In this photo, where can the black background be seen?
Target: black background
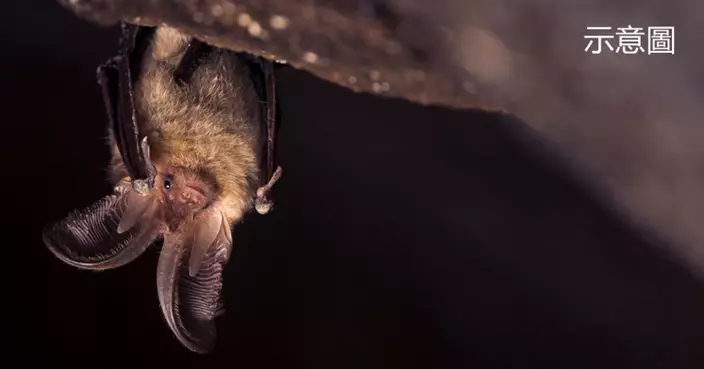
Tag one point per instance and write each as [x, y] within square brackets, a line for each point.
[403, 237]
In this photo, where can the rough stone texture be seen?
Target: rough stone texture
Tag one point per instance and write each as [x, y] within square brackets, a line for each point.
[633, 122]
[355, 44]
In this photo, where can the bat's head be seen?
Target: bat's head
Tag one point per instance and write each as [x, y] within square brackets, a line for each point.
[183, 194]
[182, 209]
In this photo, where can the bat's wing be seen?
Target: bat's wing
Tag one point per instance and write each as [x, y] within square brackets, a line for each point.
[265, 84]
[191, 299]
[116, 77]
[90, 238]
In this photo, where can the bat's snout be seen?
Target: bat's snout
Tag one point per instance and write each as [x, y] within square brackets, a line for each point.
[192, 196]
[186, 200]
[182, 204]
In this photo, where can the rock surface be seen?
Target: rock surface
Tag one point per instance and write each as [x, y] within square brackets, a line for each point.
[634, 122]
[365, 46]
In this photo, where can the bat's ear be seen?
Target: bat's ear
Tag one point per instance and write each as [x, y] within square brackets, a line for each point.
[190, 292]
[110, 233]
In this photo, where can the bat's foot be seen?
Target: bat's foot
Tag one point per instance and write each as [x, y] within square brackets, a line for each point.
[262, 203]
[140, 186]
[144, 186]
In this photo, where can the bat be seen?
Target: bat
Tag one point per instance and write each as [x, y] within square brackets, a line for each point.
[191, 128]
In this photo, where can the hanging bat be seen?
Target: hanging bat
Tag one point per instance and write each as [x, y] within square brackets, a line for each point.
[191, 131]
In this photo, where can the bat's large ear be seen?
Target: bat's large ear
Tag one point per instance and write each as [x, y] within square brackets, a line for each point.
[110, 233]
[189, 278]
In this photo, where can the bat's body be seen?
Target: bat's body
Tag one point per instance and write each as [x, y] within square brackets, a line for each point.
[205, 131]
[202, 130]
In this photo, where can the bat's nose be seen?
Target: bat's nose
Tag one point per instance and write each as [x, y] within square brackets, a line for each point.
[191, 197]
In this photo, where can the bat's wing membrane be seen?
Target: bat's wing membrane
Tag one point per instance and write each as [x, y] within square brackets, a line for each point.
[88, 238]
[191, 301]
[116, 78]
[262, 75]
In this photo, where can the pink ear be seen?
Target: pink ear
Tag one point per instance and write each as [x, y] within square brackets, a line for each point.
[191, 301]
[89, 239]
[136, 206]
[208, 225]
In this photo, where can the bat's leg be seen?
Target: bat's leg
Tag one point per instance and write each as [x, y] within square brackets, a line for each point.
[263, 203]
[143, 186]
[263, 190]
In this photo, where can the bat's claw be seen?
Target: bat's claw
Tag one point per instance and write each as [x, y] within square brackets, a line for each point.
[262, 203]
[140, 186]
[144, 186]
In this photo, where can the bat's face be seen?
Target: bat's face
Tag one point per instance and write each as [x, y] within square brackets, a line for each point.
[182, 195]
[182, 209]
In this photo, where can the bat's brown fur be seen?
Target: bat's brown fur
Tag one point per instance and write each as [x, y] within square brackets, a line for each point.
[209, 126]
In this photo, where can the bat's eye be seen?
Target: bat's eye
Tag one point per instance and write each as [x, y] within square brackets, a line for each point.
[167, 184]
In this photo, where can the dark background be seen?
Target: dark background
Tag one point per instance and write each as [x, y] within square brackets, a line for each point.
[403, 237]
